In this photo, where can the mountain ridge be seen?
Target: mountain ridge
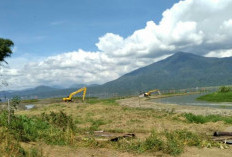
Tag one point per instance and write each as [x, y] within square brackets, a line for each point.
[195, 69]
[179, 71]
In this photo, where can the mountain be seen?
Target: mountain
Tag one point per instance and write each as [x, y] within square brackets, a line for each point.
[179, 71]
[82, 85]
[77, 85]
[39, 91]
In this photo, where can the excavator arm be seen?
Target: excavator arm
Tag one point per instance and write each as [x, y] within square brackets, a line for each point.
[151, 91]
[69, 98]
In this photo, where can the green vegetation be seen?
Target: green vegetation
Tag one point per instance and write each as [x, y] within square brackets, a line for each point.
[9, 146]
[54, 128]
[44, 127]
[224, 94]
[169, 142]
[110, 101]
[5, 48]
[191, 118]
[198, 71]
[30, 101]
[225, 89]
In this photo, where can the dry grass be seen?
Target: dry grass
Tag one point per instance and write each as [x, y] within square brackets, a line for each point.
[117, 118]
[131, 116]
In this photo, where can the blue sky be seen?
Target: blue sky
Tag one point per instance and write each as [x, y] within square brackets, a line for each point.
[60, 43]
[48, 27]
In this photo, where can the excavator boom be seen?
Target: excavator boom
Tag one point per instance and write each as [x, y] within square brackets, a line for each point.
[147, 94]
[69, 98]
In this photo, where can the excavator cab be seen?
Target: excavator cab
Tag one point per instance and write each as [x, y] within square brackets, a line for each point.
[66, 99]
[147, 94]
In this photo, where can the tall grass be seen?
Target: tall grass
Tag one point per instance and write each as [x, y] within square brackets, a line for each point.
[54, 128]
[10, 146]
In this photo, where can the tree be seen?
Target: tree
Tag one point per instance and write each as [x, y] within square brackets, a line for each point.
[5, 49]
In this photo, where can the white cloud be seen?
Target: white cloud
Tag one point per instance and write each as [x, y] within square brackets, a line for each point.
[220, 53]
[73, 67]
[203, 27]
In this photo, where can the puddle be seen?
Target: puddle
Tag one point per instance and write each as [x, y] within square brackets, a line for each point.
[30, 106]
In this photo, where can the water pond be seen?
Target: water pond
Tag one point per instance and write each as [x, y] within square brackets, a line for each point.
[192, 101]
[30, 106]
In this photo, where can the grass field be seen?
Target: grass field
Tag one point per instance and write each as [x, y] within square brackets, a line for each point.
[73, 126]
[217, 97]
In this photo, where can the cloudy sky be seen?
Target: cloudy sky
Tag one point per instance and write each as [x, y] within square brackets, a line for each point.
[95, 41]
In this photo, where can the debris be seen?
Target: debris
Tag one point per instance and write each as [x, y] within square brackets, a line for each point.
[114, 137]
[222, 139]
[222, 134]
[227, 139]
[120, 137]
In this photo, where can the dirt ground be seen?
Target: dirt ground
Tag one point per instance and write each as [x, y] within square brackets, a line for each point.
[55, 151]
[64, 151]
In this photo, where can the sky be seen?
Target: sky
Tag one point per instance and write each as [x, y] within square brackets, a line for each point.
[62, 43]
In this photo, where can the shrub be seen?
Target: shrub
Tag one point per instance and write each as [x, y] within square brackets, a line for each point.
[169, 142]
[9, 146]
[53, 128]
[224, 89]
[22, 127]
[174, 145]
[153, 142]
[61, 120]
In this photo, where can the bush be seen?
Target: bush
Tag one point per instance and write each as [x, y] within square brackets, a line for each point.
[153, 142]
[23, 128]
[9, 146]
[61, 130]
[174, 144]
[169, 142]
[224, 89]
[61, 120]
[53, 128]
[177, 140]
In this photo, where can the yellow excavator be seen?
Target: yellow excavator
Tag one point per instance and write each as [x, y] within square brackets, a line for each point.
[69, 98]
[147, 94]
